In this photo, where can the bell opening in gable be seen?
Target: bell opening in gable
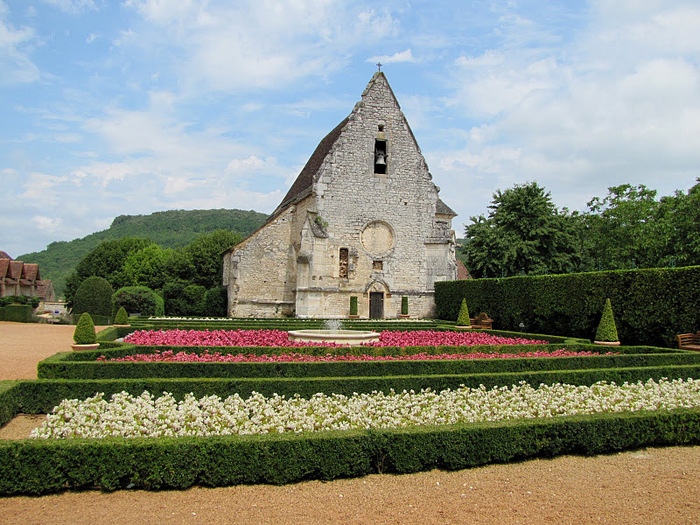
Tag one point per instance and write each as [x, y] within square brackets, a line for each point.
[380, 157]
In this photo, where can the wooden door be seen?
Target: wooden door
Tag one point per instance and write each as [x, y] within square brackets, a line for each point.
[376, 305]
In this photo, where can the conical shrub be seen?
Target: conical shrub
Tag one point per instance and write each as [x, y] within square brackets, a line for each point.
[85, 331]
[463, 317]
[121, 317]
[607, 331]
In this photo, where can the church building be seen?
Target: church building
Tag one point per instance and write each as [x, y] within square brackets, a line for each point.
[362, 220]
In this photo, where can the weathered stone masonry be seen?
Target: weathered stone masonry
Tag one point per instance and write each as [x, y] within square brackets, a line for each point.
[362, 219]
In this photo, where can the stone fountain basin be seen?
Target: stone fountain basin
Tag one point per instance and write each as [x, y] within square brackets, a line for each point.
[343, 337]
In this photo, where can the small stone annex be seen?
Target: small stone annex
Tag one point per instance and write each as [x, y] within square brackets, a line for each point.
[363, 219]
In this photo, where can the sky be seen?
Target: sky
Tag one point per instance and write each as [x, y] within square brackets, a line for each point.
[113, 107]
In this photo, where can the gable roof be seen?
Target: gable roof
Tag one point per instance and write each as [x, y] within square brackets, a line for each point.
[304, 183]
[30, 271]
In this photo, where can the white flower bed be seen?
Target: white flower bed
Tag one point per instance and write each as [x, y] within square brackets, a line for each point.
[147, 416]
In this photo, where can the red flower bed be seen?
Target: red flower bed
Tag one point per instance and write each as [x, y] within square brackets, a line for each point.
[184, 357]
[278, 338]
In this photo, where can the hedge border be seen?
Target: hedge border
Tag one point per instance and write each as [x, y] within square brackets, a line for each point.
[44, 466]
[42, 395]
[69, 365]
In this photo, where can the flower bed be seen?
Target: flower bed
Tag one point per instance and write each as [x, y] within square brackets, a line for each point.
[148, 416]
[279, 338]
[168, 356]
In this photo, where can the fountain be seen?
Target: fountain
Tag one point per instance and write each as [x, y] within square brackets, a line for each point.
[332, 332]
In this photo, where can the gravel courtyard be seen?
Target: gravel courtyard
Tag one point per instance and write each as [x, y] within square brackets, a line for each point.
[655, 485]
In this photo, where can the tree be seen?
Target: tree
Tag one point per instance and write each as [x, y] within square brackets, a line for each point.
[678, 224]
[145, 267]
[205, 256]
[620, 229]
[106, 260]
[94, 296]
[524, 234]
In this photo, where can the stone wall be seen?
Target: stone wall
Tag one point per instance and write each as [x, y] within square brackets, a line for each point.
[386, 222]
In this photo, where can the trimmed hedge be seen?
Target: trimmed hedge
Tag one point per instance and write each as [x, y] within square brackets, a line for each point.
[17, 313]
[70, 365]
[43, 466]
[148, 323]
[42, 395]
[139, 299]
[94, 296]
[651, 305]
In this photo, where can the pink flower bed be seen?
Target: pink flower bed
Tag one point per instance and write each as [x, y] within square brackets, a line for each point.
[278, 338]
[184, 357]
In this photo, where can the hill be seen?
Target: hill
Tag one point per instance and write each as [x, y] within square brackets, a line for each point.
[169, 229]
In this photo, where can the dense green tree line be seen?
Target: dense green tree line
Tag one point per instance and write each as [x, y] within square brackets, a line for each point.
[192, 270]
[526, 234]
[168, 229]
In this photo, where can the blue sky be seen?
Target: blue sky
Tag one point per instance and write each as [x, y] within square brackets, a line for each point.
[135, 106]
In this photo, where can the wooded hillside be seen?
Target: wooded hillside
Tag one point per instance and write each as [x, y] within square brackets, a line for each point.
[169, 229]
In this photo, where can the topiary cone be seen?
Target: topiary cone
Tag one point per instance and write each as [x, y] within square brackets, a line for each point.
[85, 331]
[122, 317]
[607, 331]
[463, 318]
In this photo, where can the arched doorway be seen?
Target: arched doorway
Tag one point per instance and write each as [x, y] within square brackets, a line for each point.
[376, 305]
[377, 290]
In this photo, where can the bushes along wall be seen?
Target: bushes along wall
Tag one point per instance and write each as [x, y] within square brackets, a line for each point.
[651, 306]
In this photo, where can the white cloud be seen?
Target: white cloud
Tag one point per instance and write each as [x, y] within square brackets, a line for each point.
[617, 105]
[402, 56]
[16, 67]
[47, 224]
[253, 44]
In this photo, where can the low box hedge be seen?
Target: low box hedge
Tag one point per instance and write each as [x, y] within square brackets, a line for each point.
[17, 313]
[42, 395]
[71, 365]
[43, 466]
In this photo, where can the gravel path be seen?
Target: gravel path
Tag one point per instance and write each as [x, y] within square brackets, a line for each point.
[656, 485]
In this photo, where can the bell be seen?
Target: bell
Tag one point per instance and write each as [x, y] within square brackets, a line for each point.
[380, 159]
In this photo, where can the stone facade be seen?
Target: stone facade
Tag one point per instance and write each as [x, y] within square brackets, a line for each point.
[362, 219]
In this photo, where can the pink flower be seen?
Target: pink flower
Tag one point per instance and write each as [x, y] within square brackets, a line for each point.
[206, 357]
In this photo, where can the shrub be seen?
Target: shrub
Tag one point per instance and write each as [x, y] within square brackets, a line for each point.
[463, 317]
[20, 299]
[651, 305]
[194, 296]
[174, 299]
[94, 296]
[404, 305]
[18, 313]
[216, 302]
[85, 331]
[607, 331]
[139, 299]
[121, 317]
[353, 305]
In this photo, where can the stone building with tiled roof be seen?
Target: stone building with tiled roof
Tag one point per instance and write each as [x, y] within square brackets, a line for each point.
[363, 219]
[23, 279]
